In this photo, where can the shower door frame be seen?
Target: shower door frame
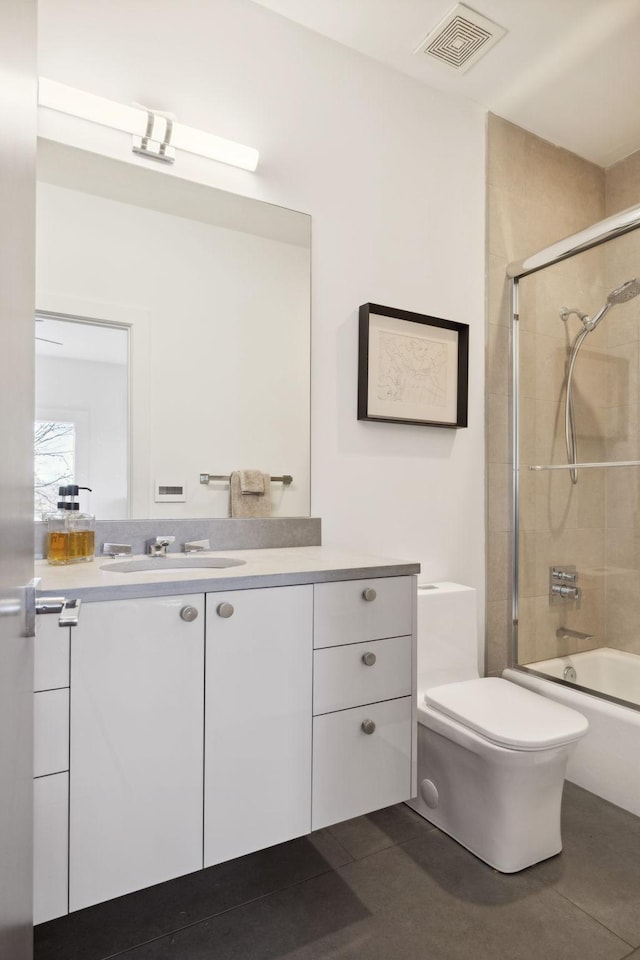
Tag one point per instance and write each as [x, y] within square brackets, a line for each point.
[594, 236]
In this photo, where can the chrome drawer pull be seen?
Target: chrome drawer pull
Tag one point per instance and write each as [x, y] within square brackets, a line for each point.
[225, 610]
[369, 593]
[368, 726]
[189, 613]
[368, 659]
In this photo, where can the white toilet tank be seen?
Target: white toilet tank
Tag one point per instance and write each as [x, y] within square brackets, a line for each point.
[447, 634]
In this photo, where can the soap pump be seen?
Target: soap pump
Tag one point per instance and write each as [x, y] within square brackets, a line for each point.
[57, 531]
[81, 527]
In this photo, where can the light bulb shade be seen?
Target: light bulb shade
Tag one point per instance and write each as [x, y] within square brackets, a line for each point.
[133, 120]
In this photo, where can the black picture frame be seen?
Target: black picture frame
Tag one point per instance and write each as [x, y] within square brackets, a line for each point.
[412, 368]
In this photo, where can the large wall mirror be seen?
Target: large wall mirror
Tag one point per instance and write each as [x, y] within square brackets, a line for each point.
[172, 339]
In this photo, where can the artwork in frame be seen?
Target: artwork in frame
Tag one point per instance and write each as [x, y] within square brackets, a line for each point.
[412, 368]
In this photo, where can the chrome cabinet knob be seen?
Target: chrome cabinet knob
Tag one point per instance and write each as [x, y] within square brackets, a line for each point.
[367, 726]
[368, 659]
[369, 594]
[189, 613]
[225, 610]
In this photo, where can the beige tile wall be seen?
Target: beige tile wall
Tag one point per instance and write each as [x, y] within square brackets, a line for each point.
[538, 193]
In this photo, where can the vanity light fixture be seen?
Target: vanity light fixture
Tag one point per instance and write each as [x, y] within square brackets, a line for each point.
[155, 133]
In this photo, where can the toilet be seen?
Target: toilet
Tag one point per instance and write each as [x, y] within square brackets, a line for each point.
[491, 755]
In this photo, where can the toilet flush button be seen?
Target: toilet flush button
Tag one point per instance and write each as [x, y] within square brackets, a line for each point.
[429, 793]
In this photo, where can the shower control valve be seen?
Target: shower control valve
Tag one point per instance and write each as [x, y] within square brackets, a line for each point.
[562, 584]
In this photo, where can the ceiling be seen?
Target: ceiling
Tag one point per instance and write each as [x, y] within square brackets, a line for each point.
[567, 70]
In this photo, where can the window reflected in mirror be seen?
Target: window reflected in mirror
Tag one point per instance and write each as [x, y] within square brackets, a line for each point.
[81, 428]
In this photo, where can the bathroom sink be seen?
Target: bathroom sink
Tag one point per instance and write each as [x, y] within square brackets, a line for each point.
[170, 562]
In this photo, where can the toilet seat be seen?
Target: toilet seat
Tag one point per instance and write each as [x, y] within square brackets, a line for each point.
[507, 714]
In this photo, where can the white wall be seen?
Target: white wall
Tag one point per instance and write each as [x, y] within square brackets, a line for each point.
[393, 176]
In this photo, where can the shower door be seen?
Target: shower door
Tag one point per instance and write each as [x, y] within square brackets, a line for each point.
[576, 566]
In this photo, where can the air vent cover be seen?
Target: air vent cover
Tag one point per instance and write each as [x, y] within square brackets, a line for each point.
[461, 38]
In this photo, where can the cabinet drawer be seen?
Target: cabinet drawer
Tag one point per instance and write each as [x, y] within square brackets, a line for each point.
[51, 732]
[355, 772]
[51, 654]
[342, 677]
[342, 614]
[50, 847]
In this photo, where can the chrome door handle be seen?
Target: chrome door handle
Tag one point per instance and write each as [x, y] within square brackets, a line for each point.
[28, 602]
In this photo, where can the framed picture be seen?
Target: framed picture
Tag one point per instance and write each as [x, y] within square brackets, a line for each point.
[412, 368]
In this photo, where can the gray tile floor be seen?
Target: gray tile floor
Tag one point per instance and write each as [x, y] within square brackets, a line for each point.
[387, 886]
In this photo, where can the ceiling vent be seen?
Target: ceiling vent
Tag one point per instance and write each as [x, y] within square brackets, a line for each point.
[461, 38]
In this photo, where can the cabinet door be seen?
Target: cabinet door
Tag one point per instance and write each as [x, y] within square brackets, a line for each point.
[51, 654]
[50, 853]
[258, 720]
[361, 760]
[51, 732]
[136, 746]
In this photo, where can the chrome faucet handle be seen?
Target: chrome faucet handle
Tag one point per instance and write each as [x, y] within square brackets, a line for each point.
[117, 549]
[196, 546]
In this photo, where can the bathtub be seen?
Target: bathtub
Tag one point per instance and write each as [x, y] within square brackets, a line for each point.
[605, 761]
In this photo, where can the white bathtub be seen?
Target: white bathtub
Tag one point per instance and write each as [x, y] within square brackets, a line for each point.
[605, 761]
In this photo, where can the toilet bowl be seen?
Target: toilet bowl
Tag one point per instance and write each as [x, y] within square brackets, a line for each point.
[491, 763]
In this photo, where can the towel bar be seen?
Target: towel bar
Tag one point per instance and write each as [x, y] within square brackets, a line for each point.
[286, 479]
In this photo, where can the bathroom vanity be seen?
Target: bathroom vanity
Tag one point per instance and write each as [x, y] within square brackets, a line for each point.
[197, 715]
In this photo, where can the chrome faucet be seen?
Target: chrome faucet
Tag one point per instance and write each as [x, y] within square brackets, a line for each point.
[158, 546]
[564, 633]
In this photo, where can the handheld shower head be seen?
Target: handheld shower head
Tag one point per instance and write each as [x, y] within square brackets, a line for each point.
[626, 291]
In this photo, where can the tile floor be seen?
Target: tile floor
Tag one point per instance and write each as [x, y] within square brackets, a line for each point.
[387, 886]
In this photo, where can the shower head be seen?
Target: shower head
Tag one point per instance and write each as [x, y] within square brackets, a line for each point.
[626, 291]
[623, 293]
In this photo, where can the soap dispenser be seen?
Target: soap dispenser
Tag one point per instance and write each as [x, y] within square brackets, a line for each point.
[81, 527]
[57, 531]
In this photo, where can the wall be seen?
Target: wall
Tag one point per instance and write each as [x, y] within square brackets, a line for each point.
[393, 176]
[537, 193]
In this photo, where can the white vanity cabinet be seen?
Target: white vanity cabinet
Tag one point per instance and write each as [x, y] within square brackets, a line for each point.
[258, 719]
[192, 729]
[363, 703]
[51, 769]
[137, 717]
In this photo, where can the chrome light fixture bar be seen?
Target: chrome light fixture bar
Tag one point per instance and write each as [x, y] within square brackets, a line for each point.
[141, 123]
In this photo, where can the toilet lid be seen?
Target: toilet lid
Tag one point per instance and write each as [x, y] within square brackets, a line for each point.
[507, 714]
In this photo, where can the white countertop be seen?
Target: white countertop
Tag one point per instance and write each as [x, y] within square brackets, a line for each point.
[262, 568]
